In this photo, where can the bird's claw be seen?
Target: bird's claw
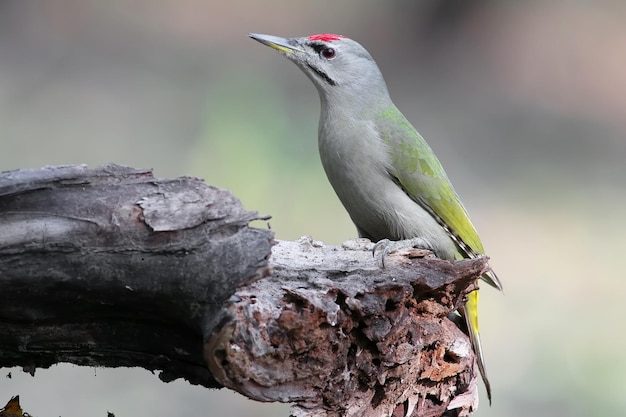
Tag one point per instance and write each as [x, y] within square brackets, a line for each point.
[389, 247]
[382, 242]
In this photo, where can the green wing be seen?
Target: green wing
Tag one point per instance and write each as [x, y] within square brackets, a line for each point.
[422, 177]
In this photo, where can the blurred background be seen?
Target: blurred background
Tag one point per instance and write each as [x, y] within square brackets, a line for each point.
[523, 102]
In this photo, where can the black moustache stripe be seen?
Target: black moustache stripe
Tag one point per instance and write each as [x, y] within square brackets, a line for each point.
[322, 75]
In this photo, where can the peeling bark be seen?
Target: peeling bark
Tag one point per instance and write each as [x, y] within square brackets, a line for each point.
[113, 267]
[332, 332]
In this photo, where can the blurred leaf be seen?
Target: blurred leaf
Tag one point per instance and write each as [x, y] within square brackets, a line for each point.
[12, 409]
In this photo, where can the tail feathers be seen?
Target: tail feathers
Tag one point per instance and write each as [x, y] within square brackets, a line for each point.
[470, 311]
[492, 279]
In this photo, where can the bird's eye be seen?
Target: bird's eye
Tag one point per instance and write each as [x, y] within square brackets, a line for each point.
[328, 53]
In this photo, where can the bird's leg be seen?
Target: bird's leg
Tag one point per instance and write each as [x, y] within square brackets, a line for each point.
[389, 246]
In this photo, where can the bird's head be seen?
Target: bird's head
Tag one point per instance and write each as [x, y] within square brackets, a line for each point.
[333, 62]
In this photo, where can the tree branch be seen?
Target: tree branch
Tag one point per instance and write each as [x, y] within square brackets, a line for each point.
[113, 267]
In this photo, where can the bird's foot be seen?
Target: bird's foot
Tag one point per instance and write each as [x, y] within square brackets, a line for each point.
[389, 246]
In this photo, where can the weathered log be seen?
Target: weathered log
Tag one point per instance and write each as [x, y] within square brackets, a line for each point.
[334, 333]
[113, 267]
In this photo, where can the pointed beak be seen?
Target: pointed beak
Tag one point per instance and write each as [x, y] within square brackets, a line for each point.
[287, 46]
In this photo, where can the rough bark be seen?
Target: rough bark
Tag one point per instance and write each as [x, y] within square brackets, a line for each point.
[113, 267]
[332, 331]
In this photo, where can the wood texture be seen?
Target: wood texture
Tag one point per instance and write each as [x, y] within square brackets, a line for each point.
[339, 336]
[113, 267]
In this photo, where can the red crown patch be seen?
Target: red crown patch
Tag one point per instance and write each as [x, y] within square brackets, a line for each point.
[325, 37]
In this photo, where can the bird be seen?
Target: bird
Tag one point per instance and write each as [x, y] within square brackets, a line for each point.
[385, 174]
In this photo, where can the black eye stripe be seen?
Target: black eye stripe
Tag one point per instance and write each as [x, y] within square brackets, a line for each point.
[318, 47]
